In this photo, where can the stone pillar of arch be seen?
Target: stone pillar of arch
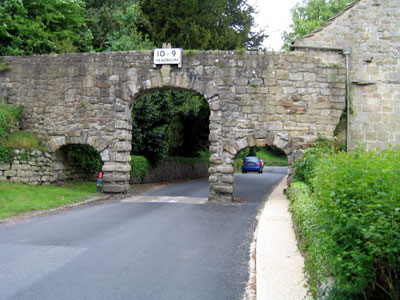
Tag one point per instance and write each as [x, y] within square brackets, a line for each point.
[116, 156]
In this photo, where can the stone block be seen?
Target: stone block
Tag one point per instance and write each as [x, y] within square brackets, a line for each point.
[282, 74]
[5, 166]
[114, 188]
[223, 189]
[123, 146]
[115, 177]
[10, 173]
[225, 169]
[296, 77]
[211, 179]
[228, 179]
[251, 141]
[215, 160]
[230, 149]
[261, 142]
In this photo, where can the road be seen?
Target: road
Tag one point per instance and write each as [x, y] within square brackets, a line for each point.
[136, 250]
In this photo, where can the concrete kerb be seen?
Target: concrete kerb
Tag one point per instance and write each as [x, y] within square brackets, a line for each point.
[279, 263]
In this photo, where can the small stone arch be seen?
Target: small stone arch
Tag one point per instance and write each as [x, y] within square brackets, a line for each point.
[232, 148]
[62, 170]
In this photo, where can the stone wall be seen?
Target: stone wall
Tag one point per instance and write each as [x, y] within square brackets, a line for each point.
[255, 99]
[31, 167]
[371, 30]
[174, 170]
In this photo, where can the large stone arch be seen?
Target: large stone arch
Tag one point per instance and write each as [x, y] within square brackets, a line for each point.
[253, 97]
[190, 79]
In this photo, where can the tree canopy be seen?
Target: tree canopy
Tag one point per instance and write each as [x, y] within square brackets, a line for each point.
[113, 24]
[310, 15]
[42, 26]
[201, 24]
[57, 26]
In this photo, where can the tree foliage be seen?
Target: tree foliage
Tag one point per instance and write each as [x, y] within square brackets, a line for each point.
[114, 25]
[169, 123]
[201, 24]
[42, 26]
[310, 15]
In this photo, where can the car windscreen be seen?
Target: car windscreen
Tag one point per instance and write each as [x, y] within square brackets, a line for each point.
[252, 159]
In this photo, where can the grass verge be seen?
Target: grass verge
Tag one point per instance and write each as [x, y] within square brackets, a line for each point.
[18, 198]
[271, 159]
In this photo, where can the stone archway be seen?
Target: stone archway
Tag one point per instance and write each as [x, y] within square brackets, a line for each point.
[253, 97]
[190, 79]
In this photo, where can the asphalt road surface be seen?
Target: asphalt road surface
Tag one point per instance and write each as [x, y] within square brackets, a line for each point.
[137, 250]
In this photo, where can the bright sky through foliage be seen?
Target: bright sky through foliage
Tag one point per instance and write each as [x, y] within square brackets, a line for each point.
[274, 16]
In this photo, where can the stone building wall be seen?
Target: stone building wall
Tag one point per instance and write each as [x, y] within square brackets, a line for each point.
[173, 170]
[255, 98]
[371, 30]
[29, 166]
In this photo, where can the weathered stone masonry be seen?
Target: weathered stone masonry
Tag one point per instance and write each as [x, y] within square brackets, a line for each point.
[255, 98]
[371, 30]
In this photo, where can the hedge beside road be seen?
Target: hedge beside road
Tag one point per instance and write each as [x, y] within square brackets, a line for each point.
[348, 223]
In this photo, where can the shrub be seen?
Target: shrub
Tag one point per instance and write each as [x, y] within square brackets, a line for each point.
[10, 116]
[6, 155]
[139, 167]
[357, 196]
[84, 157]
[304, 167]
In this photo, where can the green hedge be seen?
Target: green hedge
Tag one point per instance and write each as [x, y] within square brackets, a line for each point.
[304, 168]
[139, 167]
[350, 225]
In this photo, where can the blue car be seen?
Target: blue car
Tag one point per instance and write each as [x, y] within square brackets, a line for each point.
[252, 164]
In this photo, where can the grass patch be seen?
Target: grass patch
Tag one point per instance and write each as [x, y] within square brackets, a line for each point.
[271, 159]
[18, 198]
[21, 139]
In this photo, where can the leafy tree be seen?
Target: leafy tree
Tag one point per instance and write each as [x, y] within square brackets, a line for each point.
[125, 36]
[169, 123]
[201, 24]
[310, 15]
[42, 26]
[114, 25]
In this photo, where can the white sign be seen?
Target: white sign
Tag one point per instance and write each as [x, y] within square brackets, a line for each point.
[168, 56]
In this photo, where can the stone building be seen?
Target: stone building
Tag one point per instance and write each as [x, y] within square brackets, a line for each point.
[370, 29]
